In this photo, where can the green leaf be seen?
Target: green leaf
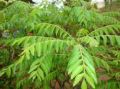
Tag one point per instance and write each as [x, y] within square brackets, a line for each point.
[91, 74]
[78, 78]
[77, 71]
[84, 85]
[90, 80]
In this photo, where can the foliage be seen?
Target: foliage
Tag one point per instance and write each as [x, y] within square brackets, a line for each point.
[47, 43]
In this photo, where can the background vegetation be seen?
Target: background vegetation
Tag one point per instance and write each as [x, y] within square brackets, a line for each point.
[75, 47]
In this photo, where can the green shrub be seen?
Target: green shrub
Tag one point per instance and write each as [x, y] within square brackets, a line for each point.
[74, 42]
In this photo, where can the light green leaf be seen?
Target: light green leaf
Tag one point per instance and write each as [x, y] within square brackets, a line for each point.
[90, 80]
[78, 78]
[84, 85]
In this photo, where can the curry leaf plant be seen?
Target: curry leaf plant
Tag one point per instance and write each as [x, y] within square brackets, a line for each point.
[72, 42]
